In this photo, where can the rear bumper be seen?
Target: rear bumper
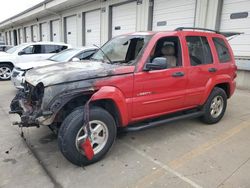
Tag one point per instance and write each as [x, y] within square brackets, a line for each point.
[232, 88]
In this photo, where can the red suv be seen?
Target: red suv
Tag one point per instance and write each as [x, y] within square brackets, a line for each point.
[135, 81]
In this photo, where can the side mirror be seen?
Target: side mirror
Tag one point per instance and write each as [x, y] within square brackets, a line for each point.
[158, 63]
[21, 53]
[75, 59]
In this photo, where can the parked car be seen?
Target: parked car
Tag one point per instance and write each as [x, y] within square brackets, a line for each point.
[135, 81]
[26, 52]
[71, 54]
[4, 48]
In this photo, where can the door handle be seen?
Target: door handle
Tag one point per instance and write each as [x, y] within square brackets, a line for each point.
[212, 70]
[178, 74]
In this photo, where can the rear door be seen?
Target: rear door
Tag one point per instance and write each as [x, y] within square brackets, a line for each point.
[201, 67]
[159, 92]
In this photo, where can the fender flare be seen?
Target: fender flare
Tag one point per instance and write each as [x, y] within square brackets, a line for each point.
[220, 79]
[114, 94]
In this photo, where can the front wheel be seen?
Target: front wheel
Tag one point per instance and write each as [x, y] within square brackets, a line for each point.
[5, 71]
[71, 135]
[215, 106]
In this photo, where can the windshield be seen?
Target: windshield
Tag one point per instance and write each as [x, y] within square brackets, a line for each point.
[122, 49]
[65, 55]
[15, 48]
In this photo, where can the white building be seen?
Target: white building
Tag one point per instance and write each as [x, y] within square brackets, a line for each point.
[87, 22]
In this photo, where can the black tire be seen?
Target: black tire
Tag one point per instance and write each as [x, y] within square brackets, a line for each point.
[73, 124]
[208, 118]
[7, 66]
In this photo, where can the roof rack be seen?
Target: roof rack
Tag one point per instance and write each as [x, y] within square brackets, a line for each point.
[195, 28]
[226, 34]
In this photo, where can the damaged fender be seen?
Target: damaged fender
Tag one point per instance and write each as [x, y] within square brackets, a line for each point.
[114, 94]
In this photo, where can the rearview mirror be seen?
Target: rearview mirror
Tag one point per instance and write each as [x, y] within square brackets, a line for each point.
[21, 53]
[75, 59]
[158, 63]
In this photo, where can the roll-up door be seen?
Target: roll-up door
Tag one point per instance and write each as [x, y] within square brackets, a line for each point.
[124, 18]
[170, 14]
[20, 35]
[27, 32]
[34, 31]
[55, 31]
[236, 17]
[71, 29]
[92, 28]
[44, 32]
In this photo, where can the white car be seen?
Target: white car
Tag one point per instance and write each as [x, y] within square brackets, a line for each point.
[26, 52]
[71, 54]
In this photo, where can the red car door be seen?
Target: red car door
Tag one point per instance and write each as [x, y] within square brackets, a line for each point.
[201, 68]
[158, 92]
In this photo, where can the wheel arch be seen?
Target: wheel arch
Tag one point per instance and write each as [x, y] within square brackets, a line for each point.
[7, 62]
[113, 97]
[222, 81]
[107, 97]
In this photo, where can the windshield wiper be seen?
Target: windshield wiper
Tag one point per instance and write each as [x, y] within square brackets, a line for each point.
[104, 53]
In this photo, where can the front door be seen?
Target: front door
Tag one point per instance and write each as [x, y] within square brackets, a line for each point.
[163, 91]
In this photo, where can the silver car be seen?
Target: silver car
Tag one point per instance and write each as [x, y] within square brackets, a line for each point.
[72, 54]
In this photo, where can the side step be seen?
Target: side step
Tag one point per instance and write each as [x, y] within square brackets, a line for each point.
[162, 121]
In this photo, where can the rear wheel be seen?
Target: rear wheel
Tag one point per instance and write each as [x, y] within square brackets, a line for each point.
[215, 106]
[72, 135]
[5, 71]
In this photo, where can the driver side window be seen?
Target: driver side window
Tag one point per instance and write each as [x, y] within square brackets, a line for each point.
[28, 50]
[170, 49]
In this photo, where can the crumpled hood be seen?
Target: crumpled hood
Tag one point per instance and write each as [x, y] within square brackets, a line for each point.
[33, 64]
[71, 71]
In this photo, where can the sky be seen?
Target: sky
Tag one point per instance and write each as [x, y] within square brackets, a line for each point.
[9, 8]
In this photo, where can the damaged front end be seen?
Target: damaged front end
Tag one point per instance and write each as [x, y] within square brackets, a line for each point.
[27, 104]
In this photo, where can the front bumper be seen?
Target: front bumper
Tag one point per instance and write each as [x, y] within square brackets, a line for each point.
[30, 115]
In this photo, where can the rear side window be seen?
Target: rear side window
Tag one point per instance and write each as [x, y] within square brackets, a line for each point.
[199, 50]
[222, 50]
[47, 49]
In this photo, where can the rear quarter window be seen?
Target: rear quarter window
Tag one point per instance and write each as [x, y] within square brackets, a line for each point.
[222, 50]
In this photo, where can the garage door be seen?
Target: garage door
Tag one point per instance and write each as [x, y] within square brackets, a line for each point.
[93, 28]
[27, 34]
[20, 36]
[10, 38]
[71, 29]
[44, 32]
[170, 14]
[124, 18]
[55, 28]
[7, 38]
[236, 17]
[34, 33]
